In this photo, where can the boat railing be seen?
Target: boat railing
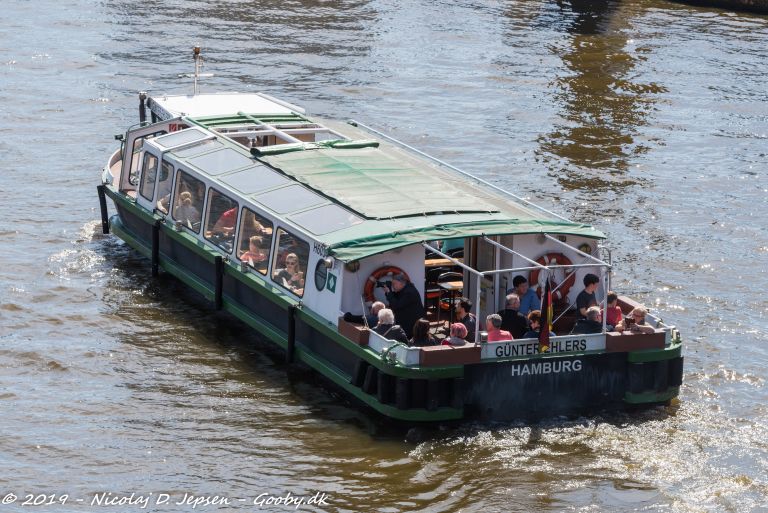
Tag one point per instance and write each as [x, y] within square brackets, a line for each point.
[596, 262]
[454, 168]
[573, 267]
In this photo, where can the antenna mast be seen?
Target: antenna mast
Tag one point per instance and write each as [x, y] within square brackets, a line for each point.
[198, 63]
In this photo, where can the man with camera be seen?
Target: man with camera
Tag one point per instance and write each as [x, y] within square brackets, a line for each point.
[404, 300]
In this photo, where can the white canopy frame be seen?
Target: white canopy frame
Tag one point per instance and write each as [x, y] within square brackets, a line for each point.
[596, 262]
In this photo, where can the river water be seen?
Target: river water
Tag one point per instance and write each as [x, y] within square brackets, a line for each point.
[648, 119]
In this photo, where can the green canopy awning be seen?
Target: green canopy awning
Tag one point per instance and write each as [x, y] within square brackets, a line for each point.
[371, 244]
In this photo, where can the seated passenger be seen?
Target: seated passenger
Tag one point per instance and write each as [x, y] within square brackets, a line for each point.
[225, 225]
[387, 328]
[528, 298]
[421, 336]
[185, 211]
[371, 319]
[586, 297]
[164, 191]
[495, 333]
[290, 246]
[458, 335]
[251, 227]
[534, 318]
[164, 202]
[635, 322]
[255, 256]
[466, 318]
[592, 324]
[613, 312]
[511, 319]
[291, 277]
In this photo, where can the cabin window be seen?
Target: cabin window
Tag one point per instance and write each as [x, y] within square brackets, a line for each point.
[136, 153]
[289, 266]
[188, 200]
[255, 240]
[149, 176]
[164, 187]
[220, 220]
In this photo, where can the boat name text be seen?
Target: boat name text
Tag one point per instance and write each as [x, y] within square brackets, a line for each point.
[557, 346]
[553, 367]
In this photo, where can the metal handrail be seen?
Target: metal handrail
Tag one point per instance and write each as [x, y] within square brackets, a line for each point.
[512, 251]
[577, 251]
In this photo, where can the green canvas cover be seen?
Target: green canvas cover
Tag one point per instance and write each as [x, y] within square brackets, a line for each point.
[377, 186]
[397, 235]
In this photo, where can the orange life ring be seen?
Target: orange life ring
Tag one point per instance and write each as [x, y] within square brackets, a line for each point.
[561, 294]
[377, 274]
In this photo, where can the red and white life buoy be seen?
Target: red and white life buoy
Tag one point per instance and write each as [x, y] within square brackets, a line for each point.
[537, 280]
[379, 273]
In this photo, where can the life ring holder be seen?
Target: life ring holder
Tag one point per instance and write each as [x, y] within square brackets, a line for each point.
[547, 259]
[377, 274]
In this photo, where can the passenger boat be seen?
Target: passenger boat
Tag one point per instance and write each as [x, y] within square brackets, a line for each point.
[220, 190]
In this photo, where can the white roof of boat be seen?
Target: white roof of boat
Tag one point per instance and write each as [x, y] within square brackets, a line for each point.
[223, 104]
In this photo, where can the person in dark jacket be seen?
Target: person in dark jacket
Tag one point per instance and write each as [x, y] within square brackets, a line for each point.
[387, 328]
[592, 324]
[466, 318]
[405, 301]
[511, 319]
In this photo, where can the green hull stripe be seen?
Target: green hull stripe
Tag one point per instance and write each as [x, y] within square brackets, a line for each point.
[651, 397]
[388, 410]
[655, 355]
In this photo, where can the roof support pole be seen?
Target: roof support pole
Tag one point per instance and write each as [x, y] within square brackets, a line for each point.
[477, 309]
